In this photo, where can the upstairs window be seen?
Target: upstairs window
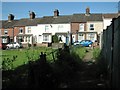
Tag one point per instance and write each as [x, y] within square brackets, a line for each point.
[46, 28]
[29, 30]
[60, 27]
[81, 27]
[21, 30]
[6, 32]
[91, 26]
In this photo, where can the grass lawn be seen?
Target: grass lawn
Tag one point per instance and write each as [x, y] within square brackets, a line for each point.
[22, 56]
[17, 57]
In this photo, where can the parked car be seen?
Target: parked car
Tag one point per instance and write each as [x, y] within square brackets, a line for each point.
[76, 43]
[86, 43]
[14, 45]
[3, 45]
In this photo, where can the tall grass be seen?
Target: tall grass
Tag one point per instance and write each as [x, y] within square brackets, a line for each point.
[96, 53]
[80, 51]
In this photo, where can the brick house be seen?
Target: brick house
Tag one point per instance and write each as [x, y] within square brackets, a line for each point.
[69, 28]
[51, 25]
[86, 26]
[7, 30]
[23, 35]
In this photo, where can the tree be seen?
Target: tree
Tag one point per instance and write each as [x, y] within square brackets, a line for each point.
[55, 39]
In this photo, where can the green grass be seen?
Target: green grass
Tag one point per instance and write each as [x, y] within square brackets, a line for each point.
[96, 53]
[80, 51]
[25, 55]
[17, 57]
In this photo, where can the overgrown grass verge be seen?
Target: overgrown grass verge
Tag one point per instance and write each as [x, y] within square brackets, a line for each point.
[96, 53]
[80, 51]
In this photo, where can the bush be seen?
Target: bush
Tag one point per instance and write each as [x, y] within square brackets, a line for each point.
[96, 53]
[29, 45]
[55, 39]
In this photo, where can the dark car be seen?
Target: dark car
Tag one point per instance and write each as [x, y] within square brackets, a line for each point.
[86, 43]
[3, 45]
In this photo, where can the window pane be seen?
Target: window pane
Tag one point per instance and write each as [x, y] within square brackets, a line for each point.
[45, 38]
[20, 30]
[46, 28]
[91, 26]
[5, 31]
[81, 27]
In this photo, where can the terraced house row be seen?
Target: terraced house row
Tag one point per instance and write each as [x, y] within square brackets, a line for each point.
[68, 28]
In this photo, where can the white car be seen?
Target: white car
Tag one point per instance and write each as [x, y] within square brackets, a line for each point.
[76, 43]
[14, 45]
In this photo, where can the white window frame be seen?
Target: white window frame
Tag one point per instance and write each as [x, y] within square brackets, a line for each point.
[29, 30]
[91, 26]
[91, 36]
[81, 27]
[5, 31]
[46, 28]
[4, 40]
[45, 38]
[20, 31]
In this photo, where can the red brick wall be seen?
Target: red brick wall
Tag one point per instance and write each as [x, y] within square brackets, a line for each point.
[75, 27]
[2, 31]
[16, 30]
[10, 31]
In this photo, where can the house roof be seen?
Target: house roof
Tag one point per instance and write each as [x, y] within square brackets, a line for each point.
[5, 24]
[62, 19]
[85, 18]
[27, 22]
[55, 20]
[80, 17]
[110, 15]
[46, 20]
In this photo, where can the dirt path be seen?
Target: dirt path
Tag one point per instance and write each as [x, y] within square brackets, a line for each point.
[88, 75]
[88, 56]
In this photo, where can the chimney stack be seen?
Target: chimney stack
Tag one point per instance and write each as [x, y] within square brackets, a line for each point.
[32, 15]
[56, 13]
[10, 17]
[87, 11]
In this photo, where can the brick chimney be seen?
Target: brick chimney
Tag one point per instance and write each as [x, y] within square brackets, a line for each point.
[56, 13]
[87, 11]
[32, 15]
[10, 17]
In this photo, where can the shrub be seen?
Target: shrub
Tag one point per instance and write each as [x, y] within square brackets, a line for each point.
[55, 39]
[96, 53]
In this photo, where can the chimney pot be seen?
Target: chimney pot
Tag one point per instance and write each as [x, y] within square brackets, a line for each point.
[87, 11]
[56, 13]
[10, 17]
[32, 15]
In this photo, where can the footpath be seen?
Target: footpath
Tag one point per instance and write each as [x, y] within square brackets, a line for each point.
[89, 76]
